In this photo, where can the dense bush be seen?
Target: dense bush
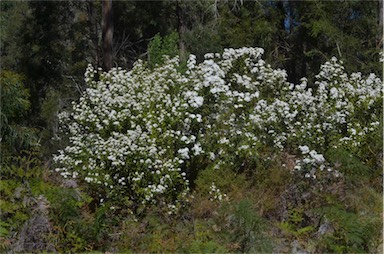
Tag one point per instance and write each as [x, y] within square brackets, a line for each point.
[15, 105]
[139, 136]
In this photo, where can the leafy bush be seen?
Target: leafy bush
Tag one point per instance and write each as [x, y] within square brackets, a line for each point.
[141, 134]
[352, 232]
[39, 215]
[17, 198]
[14, 106]
[206, 247]
[350, 165]
[160, 47]
[249, 229]
[73, 228]
[293, 226]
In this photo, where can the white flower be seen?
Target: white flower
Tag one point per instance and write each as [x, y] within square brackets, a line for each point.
[184, 153]
[334, 92]
[304, 149]
[319, 158]
[224, 141]
[197, 149]
[198, 101]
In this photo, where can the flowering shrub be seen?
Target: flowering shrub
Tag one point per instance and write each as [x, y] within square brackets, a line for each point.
[215, 193]
[131, 132]
[311, 162]
[135, 133]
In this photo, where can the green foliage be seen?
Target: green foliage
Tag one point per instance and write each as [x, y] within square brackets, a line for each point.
[160, 47]
[372, 150]
[203, 38]
[351, 166]
[339, 29]
[299, 35]
[76, 228]
[17, 200]
[38, 40]
[198, 246]
[249, 25]
[14, 96]
[224, 178]
[248, 229]
[24, 179]
[12, 18]
[153, 233]
[353, 233]
[294, 224]
[14, 107]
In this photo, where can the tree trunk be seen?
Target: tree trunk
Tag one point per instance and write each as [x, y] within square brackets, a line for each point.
[94, 27]
[181, 29]
[107, 24]
[381, 31]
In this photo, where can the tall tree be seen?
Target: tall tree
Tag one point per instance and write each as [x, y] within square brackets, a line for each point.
[107, 25]
[181, 29]
[94, 24]
[381, 28]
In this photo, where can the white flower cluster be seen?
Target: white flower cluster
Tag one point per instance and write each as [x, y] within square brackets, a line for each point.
[133, 131]
[124, 130]
[232, 84]
[338, 109]
[250, 104]
[311, 162]
[216, 194]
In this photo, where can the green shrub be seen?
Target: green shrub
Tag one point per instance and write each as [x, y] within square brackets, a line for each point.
[294, 227]
[79, 223]
[353, 233]
[249, 230]
[352, 167]
[17, 199]
[198, 246]
[160, 47]
[14, 106]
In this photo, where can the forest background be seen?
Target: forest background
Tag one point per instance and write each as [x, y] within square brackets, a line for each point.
[46, 47]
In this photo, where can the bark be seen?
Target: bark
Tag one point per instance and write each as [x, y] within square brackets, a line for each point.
[381, 32]
[381, 13]
[107, 36]
[94, 27]
[181, 29]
